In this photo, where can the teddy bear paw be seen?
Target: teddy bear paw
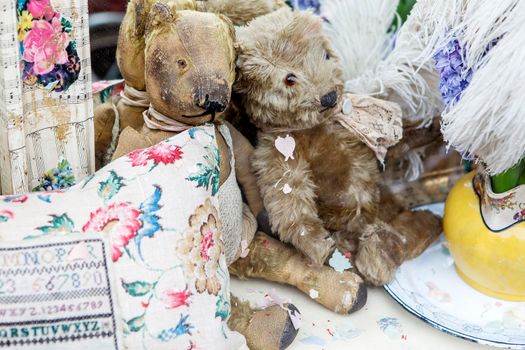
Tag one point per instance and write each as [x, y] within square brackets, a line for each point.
[317, 250]
[380, 253]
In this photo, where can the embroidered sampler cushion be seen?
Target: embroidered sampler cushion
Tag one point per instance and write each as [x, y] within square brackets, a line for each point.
[148, 222]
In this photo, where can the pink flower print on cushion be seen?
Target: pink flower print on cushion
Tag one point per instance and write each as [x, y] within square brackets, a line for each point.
[123, 222]
[45, 45]
[174, 299]
[41, 9]
[138, 158]
[164, 153]
[206, 244]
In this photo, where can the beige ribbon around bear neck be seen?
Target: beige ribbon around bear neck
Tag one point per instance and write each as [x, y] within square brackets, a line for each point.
[134, 98]
[158, 121]
[376, 122]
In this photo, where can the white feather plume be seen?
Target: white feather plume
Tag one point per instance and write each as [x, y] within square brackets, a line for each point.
[391, 66]
[489, 120]
[358, 32]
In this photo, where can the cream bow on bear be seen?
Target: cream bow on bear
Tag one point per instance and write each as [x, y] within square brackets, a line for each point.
[376, 122]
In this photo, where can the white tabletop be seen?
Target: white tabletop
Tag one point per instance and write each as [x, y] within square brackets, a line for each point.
[324, 330]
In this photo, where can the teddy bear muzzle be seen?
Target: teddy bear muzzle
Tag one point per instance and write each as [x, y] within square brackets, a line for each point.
[213, 97]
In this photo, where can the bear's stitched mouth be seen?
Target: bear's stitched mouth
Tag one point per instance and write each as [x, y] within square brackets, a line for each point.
[327, 108]
[198, 115]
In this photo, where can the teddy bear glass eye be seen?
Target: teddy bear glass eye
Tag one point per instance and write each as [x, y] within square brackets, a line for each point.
[327, 56]
[290, 80]
[182, 63]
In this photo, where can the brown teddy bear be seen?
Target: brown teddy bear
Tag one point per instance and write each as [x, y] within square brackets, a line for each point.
[189, 83]
[318, 180]
[134, 99]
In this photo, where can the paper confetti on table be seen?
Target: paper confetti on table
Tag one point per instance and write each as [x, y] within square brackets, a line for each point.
[347, 331]
[314, 294]
[313, 340]
[339, 262]
[271, 298]
[391, 326]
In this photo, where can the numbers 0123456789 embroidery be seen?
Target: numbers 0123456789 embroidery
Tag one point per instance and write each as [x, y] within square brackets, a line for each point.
[58, 291]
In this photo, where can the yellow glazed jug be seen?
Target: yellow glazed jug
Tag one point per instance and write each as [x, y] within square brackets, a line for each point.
[491, 261]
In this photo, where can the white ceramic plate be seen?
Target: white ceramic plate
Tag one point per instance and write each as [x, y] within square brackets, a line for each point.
[430, 288]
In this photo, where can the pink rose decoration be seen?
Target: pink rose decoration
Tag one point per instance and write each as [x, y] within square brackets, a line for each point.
[45, 45]
[126, 223]
[41, 9]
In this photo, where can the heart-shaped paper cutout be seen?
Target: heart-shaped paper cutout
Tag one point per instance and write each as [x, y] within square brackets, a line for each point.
[285, 146]
[287, 189]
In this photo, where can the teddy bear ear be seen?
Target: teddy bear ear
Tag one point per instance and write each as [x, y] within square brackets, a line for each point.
[141, 15]
[161, 13]
[308, 24]
[230, 25]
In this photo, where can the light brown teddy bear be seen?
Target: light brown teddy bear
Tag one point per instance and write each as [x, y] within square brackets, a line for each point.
[318, 180]
[189, 83]
[134, 100]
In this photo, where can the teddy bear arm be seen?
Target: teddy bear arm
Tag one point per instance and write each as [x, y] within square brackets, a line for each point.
[240, 12]
[242, 151]
[104, 121]
[130, 140]
[294, 215]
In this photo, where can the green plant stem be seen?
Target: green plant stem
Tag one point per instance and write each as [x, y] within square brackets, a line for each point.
[509, 179]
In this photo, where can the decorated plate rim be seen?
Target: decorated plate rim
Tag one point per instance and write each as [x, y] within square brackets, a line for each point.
[440, 326]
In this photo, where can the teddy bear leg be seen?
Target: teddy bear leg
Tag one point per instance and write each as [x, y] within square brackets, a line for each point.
[275, 261]
[384, 247]
[270, 328]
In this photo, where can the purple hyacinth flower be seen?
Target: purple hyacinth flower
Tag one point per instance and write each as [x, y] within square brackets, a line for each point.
[455, 76]
[307, 4]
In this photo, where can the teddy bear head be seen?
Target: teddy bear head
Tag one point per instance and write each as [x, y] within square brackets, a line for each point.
[189, 63]
[287, 74]
[130, 48]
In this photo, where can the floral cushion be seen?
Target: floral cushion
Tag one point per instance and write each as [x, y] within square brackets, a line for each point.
[157, 209]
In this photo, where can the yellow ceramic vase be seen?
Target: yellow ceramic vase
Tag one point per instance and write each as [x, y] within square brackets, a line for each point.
[491, 262]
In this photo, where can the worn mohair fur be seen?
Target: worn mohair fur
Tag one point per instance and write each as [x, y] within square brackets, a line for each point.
[172, 37]
[171, 86]
[130, 60]
[334, 177]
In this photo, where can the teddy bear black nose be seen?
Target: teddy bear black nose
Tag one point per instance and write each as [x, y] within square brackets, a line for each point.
[329, 100]
[211, 105]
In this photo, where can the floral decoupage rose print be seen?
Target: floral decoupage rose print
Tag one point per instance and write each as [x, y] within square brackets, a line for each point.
[161, 153]
[124, 222]
[49, 58]
[201, 248]
[45, 45]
